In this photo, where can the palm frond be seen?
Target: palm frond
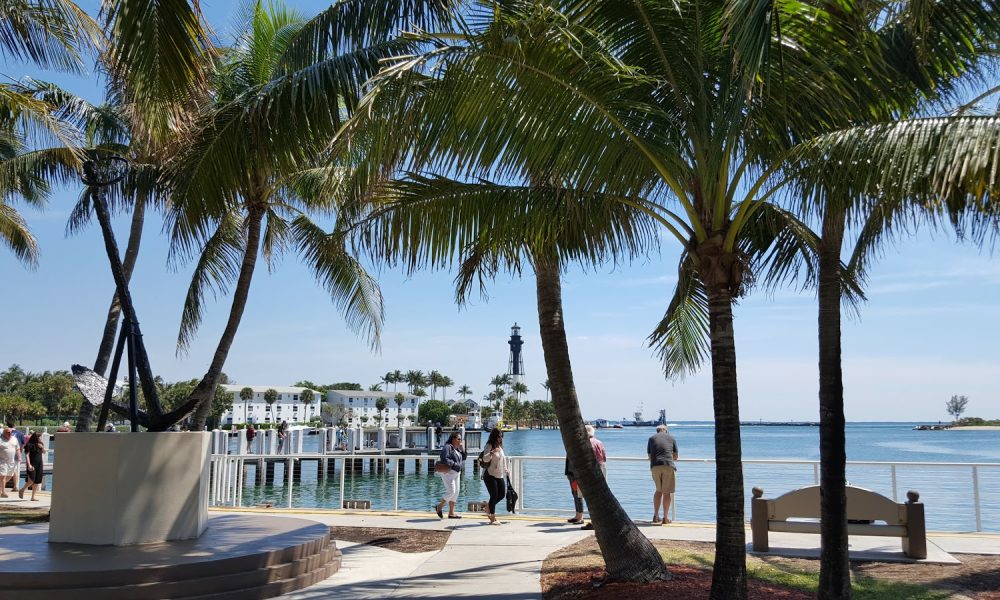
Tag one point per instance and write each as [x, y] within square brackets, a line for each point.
[157, 53]
[217, 268]
[681, 338]
[14, 234]
[351, 288]
[947, 164]
[51, 33]
[349, 25]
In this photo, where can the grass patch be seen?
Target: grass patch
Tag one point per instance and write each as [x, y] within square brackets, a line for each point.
[865, 588]
[21, 517]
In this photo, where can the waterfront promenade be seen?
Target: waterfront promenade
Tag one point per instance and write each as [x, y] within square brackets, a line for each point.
[484, 562]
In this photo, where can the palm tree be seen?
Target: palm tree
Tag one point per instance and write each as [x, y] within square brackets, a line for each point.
[414, 379]
[388, 378]
[307, 397]
[464, 391]
[446, 382]
[519, 388]
[375, 387]
[246, 395]
[270, 396]
[399, 399]
[545, 385]
[397, 376]
[226, 218]
[434, 380]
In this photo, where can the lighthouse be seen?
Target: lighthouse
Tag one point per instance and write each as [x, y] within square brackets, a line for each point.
[515, 365]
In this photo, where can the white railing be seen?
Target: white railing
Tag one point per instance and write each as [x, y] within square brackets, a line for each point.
[954, 490]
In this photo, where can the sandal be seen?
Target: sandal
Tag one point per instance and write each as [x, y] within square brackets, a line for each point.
[575, 521]
[439, 513]
[454, 516]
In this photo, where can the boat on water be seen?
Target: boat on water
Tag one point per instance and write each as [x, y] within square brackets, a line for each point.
[496, 420]
[638, 421]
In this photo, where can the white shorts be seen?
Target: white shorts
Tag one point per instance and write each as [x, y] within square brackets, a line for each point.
[8, 469]
[450, 485]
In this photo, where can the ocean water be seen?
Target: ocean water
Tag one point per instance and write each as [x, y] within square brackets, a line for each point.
[947, 489]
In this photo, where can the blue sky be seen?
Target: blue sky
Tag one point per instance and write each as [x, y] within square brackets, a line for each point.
[927, 331]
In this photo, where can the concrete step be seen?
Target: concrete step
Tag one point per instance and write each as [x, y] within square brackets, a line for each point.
[261, 575]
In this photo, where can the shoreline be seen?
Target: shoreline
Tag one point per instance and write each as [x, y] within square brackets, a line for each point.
[957, 428]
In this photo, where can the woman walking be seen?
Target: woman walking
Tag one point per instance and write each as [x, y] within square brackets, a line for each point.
[10, 456]
[34, 449]
[495, 473]
[449, 467]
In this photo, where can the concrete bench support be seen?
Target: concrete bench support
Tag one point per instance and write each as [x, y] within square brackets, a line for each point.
[865, 507]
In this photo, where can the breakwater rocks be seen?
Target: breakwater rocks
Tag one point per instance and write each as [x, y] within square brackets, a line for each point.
[778, 424]
[931, 427]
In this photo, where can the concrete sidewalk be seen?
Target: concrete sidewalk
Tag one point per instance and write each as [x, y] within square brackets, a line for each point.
[490, 562]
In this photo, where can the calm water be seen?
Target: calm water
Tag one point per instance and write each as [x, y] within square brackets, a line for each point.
[947, 491]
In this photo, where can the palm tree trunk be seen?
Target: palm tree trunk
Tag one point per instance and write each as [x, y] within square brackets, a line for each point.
[628, 554]
[205, 391]
[729, 575]
[834, 571]
[86, 413]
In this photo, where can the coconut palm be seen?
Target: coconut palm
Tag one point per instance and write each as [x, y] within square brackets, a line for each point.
[519, 388]
[306, 398]
[446, 382]
[434, 380]
[246, 395]
[399, 399]
[464, 391]
[415, 379]
[687, 98]
[236, 197]
[270, 396]
[545, 386]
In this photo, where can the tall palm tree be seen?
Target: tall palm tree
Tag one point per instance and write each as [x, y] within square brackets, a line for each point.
[246, 395]
[270, 396]
[518, 389]
[397, 376]
[688, 97]
[307, 397]
[242, 189]
[446, 382]
[464, 391]
[434, 380]
[545, 386]
[399, 399]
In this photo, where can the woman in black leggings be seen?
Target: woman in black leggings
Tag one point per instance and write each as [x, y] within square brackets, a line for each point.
[494, 472]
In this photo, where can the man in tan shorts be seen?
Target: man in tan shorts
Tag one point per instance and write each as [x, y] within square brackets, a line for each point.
[662, 452]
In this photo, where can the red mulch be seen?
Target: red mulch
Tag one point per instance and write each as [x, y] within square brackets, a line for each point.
[688, 583]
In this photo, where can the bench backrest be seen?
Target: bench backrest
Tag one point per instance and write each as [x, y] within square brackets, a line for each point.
[862, 504]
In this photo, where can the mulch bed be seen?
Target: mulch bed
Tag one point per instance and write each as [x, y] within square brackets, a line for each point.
[569, 573]
[400, 540]
[687, 582]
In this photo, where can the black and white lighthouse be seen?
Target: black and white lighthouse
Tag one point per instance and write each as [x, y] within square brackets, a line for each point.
[515, 365]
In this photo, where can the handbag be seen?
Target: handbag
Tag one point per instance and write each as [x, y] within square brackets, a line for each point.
[441, 467]
[511, 497]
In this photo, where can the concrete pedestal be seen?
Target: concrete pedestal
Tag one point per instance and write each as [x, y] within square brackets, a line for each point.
[130, 488]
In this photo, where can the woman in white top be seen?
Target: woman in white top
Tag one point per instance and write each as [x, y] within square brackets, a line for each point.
[495, 473]
[10, 455]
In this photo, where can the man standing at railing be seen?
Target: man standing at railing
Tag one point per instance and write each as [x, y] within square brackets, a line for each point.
[662, 452]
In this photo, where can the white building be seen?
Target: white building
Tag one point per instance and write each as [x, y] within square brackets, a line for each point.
[356, 404]
[289, 406]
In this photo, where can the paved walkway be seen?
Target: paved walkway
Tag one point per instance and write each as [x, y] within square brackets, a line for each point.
[488, 562]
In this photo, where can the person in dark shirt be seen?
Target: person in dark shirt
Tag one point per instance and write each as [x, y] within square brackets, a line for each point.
[662, 452]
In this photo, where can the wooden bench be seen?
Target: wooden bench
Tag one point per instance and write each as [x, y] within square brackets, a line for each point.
[864, 509]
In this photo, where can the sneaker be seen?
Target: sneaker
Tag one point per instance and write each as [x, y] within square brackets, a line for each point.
[575, 521]
[656, 519]
[588, 527]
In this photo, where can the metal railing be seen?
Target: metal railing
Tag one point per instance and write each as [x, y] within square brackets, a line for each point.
[953, 489]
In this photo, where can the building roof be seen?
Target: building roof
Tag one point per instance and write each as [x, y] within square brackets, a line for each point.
[367, 394]
[281, 389]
